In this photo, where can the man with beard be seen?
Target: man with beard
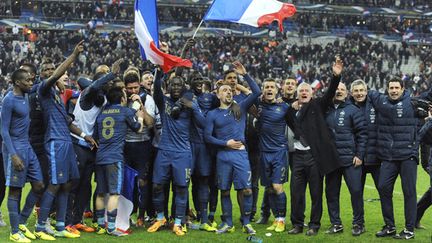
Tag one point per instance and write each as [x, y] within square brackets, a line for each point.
[227, 132]
[173, 161]
[138, 144]
[347, 125]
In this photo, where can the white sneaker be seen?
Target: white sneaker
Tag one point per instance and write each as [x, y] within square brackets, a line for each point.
[49, 228]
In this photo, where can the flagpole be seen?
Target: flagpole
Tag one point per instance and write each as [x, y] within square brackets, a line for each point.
[202, 21]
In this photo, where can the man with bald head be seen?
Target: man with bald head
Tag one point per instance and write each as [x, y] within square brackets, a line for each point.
[315, 152]
[348, 128]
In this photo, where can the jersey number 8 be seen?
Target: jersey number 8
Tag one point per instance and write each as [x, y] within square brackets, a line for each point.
[108, 127]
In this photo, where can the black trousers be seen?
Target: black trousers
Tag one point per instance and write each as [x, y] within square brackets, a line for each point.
[407, 169]
[82, 190]
[305, 171]
[423, 204]
[352, 176]
[374, 170]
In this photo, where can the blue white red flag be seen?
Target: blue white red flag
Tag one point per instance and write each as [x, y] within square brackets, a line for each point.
[125, 201]
[251, 12]
[147, 32]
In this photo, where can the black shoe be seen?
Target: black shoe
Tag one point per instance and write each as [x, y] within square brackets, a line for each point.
[405, 235]
[295, 230]
[312, 232]
[386, 231]
[262, 220]
[334, 229]
[358, 229]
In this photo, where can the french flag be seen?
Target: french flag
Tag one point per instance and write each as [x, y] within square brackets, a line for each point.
[125, 201]
[251, 12]
[147, 32]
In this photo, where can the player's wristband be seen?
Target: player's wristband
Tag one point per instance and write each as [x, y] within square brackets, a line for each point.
[82, 135]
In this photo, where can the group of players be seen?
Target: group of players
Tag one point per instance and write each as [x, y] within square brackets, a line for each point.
[55, 138]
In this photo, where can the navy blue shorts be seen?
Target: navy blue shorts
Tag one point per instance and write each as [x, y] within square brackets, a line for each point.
[62, 161]
[233, 167]
[201, 160]
[274, 167]
[175, 165]
[32, 171]
[109, 178]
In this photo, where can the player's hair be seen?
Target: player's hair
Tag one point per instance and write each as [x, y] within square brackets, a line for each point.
[114, 95]
[290, 77]
[131, 75]
[46, 61]
[146, 72]
[17, 75]
[358, 82]
[228, 72]
[304, 84]
[31, 66]
[395, 80]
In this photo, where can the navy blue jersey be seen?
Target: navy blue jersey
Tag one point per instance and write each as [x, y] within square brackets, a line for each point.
[206, 102]
[271, 126]
[221, 124]
[175, 132]
[37, 125]
[111, 128]
[240, 97]
[15, 121]
[55, 116]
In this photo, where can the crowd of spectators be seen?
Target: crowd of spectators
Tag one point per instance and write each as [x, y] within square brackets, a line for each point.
[403, 4]
[303, 22]
[372, 61]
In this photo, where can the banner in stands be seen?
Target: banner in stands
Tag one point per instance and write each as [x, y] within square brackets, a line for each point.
[233, 30]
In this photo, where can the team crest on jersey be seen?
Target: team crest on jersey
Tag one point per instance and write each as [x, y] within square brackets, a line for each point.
[278, 109]
[399, 109]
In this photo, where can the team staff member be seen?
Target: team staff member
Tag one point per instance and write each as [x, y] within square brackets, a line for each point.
[348, 128]
[315, 151]
[371, 164]
[397, 144]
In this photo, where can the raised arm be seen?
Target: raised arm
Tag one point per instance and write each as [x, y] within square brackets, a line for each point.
[256, 92]
[60, 70]
[334, 83]
[188, 45]
[158, 95]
